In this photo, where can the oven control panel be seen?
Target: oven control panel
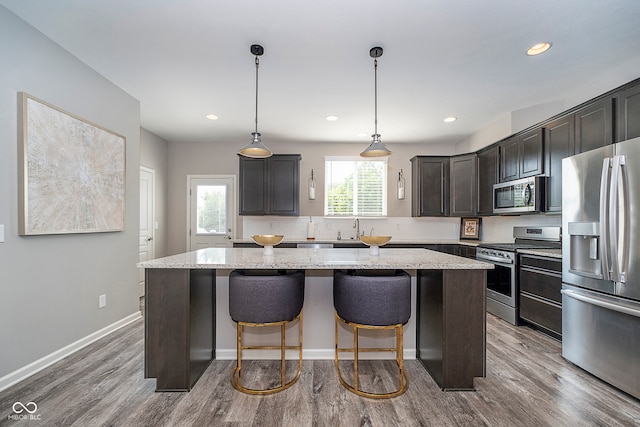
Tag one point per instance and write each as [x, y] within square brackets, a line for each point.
[495, 253]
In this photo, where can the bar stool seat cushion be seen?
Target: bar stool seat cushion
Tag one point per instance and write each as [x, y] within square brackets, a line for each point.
[265, 296]
[369, 298]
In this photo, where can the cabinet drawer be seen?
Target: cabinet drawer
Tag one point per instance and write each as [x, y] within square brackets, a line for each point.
[541, 263]
[545, 285]
[541, 313]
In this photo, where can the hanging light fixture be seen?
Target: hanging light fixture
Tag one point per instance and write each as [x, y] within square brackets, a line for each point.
[376, 148]
[256, 148]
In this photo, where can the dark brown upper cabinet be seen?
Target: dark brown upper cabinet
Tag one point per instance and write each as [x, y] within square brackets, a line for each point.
[270, 186]
[594, 126]
[429, 186]
[588, 128]
[487, 176]
[628, 114]
[521, 156]
[559, 140]
[463, 185]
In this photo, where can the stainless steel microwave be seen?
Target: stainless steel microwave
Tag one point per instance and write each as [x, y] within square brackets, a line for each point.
[520, 196]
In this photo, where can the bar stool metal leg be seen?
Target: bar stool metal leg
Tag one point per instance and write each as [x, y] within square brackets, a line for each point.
[403, 379]
[236, 374]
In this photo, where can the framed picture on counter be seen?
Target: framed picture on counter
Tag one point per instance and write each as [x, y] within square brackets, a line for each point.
[470, 228]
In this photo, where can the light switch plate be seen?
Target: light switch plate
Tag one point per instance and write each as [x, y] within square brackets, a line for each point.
[1, 233]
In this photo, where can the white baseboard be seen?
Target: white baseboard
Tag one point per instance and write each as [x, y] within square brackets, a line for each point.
[48, 360]
[308, 354]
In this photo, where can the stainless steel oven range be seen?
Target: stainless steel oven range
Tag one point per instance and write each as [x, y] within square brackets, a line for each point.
[502, 282]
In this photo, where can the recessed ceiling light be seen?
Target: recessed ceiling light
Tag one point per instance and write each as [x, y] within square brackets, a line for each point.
[211, 117]
[538, 48]
[332, 118]
[450, 119]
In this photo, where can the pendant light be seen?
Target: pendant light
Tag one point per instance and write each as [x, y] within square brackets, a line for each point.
[256, 148]
[376, 148]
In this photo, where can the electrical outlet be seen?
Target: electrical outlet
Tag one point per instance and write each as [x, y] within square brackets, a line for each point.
[1, 233]
[102, 301]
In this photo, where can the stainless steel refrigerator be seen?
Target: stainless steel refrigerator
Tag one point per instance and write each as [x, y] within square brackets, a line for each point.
[601, 263]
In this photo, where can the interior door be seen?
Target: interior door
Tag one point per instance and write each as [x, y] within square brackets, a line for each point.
[211, 211]
[146, 244]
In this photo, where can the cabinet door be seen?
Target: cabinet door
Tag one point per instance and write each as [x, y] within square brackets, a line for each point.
[509, 159]
[559, 142]
[284, 185]
[628, 113]
[252, 186]
[463, 185]
[594, 127]
[430, 186]
[487, 176]
[530, 154]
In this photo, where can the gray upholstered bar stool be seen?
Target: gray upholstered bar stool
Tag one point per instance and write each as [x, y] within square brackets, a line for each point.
[372, 300]
[259, 298]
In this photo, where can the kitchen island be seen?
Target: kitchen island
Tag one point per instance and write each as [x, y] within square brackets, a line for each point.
[180, 306]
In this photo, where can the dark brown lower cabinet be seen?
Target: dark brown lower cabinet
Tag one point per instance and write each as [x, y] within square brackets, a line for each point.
[451, 319]
[540, 297]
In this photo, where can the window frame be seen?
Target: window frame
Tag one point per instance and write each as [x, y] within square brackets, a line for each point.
[383, 189]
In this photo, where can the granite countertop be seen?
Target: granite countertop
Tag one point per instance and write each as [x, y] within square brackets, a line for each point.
[551, 253]
[316, 259]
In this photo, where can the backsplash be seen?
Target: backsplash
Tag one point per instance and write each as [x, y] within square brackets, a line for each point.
[494, 229]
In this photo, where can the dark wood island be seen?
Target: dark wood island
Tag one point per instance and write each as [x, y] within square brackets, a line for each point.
[180, 305]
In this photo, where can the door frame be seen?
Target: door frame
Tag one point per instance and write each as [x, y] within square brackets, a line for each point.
[152, 243]
[234, 199]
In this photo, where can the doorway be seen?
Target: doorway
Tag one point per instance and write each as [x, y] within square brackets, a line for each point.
[211, 211]
[147, 221]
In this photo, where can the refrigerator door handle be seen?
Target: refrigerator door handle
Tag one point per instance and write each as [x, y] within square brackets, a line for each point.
[600, 302]
[605, 242]
[619, 242]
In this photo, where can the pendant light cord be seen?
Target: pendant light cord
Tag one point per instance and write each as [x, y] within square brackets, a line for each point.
[375, 79]
[257, 66]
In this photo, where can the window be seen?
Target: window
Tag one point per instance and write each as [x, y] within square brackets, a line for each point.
[355, 187]
[211, 209]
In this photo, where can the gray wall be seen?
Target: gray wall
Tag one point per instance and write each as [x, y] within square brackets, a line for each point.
[220, 159]
[49, 285]
[154, 155]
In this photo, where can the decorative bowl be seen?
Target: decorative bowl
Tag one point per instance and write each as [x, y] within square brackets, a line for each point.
[374, 243]
[375, 240]
[268, 241]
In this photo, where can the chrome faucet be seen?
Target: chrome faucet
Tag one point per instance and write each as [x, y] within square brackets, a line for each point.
[356, 225]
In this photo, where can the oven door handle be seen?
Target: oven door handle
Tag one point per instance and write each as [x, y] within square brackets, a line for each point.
[494, 259]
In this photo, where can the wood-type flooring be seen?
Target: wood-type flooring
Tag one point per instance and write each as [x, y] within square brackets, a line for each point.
[527, 384]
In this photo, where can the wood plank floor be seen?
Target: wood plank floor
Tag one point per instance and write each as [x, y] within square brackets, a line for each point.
[527, 384]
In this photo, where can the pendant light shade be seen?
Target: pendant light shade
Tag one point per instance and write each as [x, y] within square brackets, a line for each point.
[256, 149]
[376, 148]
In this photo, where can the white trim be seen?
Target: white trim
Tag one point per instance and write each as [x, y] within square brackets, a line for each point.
[151, 172]
[233, 196]
[48, 360]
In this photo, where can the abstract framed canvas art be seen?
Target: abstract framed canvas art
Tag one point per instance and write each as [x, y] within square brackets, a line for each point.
[71, 172]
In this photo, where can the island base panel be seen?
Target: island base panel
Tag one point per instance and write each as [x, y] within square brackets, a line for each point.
[451, 329]
[179, 326]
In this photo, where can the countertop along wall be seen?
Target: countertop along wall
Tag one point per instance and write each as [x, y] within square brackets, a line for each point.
[220, 159]
[49, 285]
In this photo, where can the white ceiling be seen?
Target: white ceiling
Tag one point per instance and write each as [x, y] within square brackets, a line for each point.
[186, 58]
